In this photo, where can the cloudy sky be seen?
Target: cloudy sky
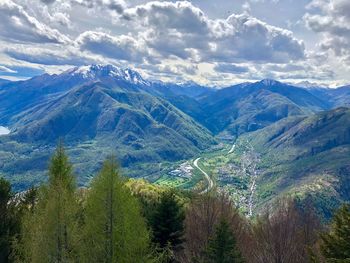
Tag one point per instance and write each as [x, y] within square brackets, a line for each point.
[217, 42]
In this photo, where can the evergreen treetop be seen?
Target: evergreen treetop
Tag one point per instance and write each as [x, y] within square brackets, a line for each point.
[336, 244]
[168, 222]
[222, 246]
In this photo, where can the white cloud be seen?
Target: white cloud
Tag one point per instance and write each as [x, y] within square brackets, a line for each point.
[45, 56]
[183, 30]
[167, 38]
[115, 5]
[334, 23]
[6, 70]
[17, 25]
[120, 47]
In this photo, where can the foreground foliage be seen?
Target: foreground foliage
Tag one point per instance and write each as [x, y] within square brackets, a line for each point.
[51, 231]
[222, 246]
[167, 222]
[335, 245]
[114, 229]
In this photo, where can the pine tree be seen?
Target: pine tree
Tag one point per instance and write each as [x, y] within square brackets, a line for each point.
[222, 246]
[335, 245]
[50, 230]
[168, 222]
[114, 228]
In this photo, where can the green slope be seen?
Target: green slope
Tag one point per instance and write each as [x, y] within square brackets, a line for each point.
[96, 120]
[251, 106]
[305, 156]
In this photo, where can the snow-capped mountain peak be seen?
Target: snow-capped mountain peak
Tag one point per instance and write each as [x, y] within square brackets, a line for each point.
[97, 71]
[269, 82]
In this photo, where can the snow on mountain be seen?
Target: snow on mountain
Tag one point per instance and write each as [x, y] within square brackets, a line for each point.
[91, 72]
[269, 82]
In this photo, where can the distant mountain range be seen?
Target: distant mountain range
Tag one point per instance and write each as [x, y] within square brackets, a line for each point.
[302, 133]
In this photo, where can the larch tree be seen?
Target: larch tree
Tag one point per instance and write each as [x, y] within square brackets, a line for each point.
[114, 229]
[50, 231]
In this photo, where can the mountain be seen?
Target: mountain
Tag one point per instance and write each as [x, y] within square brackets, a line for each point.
[4, 81]
[94, 72]
[189, 89]
[340, 96]
[337, 97]
[308, 155]
[309, 85]
[22, 95]
[127, 118]
[97, 110]
[233, 111]
[151, 125]
[251, 106]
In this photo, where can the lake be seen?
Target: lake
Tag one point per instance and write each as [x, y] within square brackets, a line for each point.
[4, 130]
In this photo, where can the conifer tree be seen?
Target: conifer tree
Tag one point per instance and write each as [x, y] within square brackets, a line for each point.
[335, 245]
[222, 246]
[50, 230]
[9, 225]
[114, 228]
[168, 222]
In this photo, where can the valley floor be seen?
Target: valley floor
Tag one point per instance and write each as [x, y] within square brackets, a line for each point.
[230, 168]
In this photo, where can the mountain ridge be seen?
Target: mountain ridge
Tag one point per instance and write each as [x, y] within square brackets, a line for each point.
[307, 155]
[102, 109]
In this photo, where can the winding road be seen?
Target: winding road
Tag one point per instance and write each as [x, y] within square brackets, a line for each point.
[232, 148]
[252, 186]
[207, 177]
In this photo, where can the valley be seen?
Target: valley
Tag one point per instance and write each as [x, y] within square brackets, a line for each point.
[222, 170]
[210, 183]
[174, 131]
[255, 141]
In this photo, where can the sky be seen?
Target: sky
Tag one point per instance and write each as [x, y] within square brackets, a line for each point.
[215, 43]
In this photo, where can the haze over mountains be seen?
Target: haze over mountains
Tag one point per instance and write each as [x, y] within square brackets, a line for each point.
[102, 109]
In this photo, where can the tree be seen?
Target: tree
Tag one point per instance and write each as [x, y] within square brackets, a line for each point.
[9, 225]
[285, 235]
[335, 245]
[50, 229]
[222, 246]
[202, 216]
[114, 229]
[168, 223]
